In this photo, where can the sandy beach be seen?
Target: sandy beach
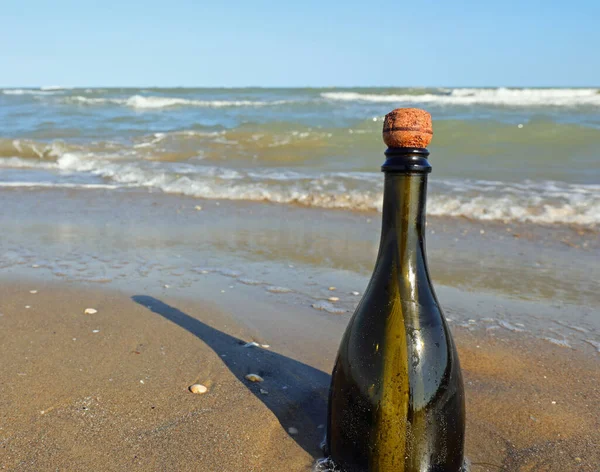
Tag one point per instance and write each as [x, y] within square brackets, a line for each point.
[182, 285]
[191, 204]
[109, 391]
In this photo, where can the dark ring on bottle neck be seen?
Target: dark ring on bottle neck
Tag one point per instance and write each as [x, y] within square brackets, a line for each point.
[406, 160]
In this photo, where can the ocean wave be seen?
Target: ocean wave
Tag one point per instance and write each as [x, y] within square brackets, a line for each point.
[58, 185]
[538, 202]
[279, 163]
[30, 149]
[245, 143]
[28, 92]
[499, 96]
[155, 102]
[534, 144]
[534, 209]
[54, 87]
[19, 163]
[171, 98]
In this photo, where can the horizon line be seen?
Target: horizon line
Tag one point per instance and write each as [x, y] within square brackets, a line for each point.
[296, 86]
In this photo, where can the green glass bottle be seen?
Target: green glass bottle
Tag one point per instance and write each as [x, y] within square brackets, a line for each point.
[396, 401]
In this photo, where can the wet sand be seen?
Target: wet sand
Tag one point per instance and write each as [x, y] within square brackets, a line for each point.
[181, 285]
[117, 399]
[521, 260]
[108, 391]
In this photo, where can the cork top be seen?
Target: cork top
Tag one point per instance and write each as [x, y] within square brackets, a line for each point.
[407, 127]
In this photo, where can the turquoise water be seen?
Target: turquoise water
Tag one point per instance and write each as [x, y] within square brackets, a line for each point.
[508, 154]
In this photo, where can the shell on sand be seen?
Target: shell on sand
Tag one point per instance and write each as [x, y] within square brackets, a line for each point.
[90, 311]
[254, 378]
[198, 388]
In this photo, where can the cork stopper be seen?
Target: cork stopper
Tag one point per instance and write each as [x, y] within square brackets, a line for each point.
[407, 127]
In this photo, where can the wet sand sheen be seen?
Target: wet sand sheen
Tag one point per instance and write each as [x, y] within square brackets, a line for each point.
[554, 262]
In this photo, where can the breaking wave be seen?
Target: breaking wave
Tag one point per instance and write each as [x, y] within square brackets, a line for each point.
[57, 185]
[42, 91]
[222, 165]
[474, 96]
[150, 102]
[171, 98]
[539, 202]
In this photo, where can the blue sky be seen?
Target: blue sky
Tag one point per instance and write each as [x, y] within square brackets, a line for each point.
[305, 43]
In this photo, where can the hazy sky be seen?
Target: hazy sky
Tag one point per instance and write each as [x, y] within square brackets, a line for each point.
[300, 43]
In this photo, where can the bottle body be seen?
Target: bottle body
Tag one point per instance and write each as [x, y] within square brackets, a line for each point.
[396, 398]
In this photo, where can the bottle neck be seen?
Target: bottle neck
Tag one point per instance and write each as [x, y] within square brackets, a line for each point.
[403, 219]
[404, 200]
[404, 196]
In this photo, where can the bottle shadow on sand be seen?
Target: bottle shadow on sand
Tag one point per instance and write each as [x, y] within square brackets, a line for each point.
[297, 392]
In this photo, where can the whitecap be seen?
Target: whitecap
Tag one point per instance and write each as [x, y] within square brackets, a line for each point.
[155, 102]
[526, 97]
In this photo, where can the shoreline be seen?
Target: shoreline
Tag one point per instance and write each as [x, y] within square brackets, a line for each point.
[151, 239]
[116, 399]
[180, 291]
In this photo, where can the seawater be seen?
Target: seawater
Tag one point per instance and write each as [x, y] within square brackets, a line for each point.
[498, 154]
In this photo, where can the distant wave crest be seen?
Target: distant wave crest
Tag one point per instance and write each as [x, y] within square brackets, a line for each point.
[154, 102]
[42, 91]
[53, 87]
[499, 96]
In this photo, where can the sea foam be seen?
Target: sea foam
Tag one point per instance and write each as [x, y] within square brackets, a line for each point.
[28, 92]
[534, 201]
[53, 87]
[190, 162]
[474, 96]
[155, 102]
[539, 202]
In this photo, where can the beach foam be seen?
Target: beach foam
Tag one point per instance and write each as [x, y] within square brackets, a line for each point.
[58, 185]
[539, 202]
[184, 169]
